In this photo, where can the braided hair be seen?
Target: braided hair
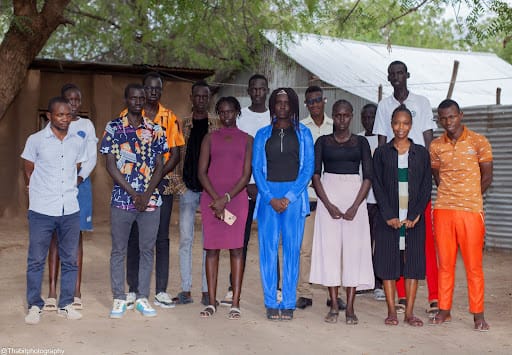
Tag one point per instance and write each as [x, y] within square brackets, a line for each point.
[229, 100]
[294, 105]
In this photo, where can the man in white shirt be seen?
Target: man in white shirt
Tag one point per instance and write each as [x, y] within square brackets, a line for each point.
[422, 132]
[251, 119]
[422, 118]
[51, 159]
[319, 123]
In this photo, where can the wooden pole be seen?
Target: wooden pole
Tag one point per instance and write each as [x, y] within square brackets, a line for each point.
[498, 96]
[453, 79]
[379, 94]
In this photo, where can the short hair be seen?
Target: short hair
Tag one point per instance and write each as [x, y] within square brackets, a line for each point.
[401, 108]
[229, 100]
[398, 62]
[256, 77]
[294, 105]
[200, 83]
[367, 106]
[131, 86]
[56, 100]
[152, 74]
[67, 87]
[448, 103]
[342, 102]
[312, 89]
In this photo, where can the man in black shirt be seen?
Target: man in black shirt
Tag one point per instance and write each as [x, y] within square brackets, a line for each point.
[195, 128]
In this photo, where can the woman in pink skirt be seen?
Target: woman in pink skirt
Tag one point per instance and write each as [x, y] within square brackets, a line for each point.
[224, 170]
[342, 254]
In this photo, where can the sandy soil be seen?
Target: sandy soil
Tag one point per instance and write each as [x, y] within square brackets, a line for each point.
[181, 331]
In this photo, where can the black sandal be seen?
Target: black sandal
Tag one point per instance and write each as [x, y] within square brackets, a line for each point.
[331, 317]
[273, 314]
[287, 314]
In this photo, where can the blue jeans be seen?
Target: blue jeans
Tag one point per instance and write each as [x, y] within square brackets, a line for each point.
[189, 202]
[41, 228]
[121, 222]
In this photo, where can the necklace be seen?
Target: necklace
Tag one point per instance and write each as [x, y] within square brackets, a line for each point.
[281, 135]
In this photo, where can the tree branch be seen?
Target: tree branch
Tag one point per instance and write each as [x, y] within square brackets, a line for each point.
[350, 12]
[412, 9]
[94, 17]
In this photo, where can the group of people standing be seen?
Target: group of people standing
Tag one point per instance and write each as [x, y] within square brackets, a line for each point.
[343, 217]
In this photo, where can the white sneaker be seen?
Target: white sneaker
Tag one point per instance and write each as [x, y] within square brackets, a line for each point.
[118, 309]
[379, 294]
[34, 315]
[130, 300]
[279, 296]
[228, 300]
[142, 305]
[164, 300]
[69, 312]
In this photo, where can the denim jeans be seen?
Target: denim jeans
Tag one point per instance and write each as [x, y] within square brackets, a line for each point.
[41, 228]
[121, 222]
[161, 251]
[189, 202]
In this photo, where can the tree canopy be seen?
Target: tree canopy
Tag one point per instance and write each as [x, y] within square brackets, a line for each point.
[226, 34]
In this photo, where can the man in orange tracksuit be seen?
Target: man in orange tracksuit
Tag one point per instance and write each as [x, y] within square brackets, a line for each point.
[462, 168]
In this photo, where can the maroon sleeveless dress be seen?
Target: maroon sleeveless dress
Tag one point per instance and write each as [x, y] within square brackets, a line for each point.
[227, 157]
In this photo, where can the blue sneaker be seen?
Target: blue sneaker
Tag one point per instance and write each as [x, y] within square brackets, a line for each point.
[142, 305]
[118, 309]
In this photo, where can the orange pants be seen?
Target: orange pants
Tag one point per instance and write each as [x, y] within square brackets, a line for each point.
[466, 230]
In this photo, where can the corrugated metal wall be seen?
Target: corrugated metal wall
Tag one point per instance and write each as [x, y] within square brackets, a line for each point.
[281, 71]
[495, 122]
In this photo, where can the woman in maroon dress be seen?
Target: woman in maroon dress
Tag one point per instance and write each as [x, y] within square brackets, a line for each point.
[224, 171]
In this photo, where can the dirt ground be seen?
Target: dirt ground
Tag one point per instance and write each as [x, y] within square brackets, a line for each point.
[181, 331]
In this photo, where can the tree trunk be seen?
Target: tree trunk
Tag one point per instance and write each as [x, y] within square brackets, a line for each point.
[28, 32]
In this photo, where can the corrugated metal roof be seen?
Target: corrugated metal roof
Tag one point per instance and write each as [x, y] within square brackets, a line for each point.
[360, 68]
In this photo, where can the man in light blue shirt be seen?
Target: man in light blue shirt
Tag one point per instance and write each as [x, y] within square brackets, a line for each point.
[51, 160]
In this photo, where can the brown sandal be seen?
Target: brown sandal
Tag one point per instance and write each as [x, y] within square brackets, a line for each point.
[440, 318]
[391, 320]
[413, 321]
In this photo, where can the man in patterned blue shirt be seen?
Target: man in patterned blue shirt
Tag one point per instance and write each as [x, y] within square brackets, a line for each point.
[133, 146]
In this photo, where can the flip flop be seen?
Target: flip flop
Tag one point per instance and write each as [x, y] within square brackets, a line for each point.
[414, 321]
[331, 317]
[234, 313]
[351, 319]
[208, 312]
[481, 325]
[438, 319]
[391, 320]
[400, 306]
[50, 304]
[77, 303]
